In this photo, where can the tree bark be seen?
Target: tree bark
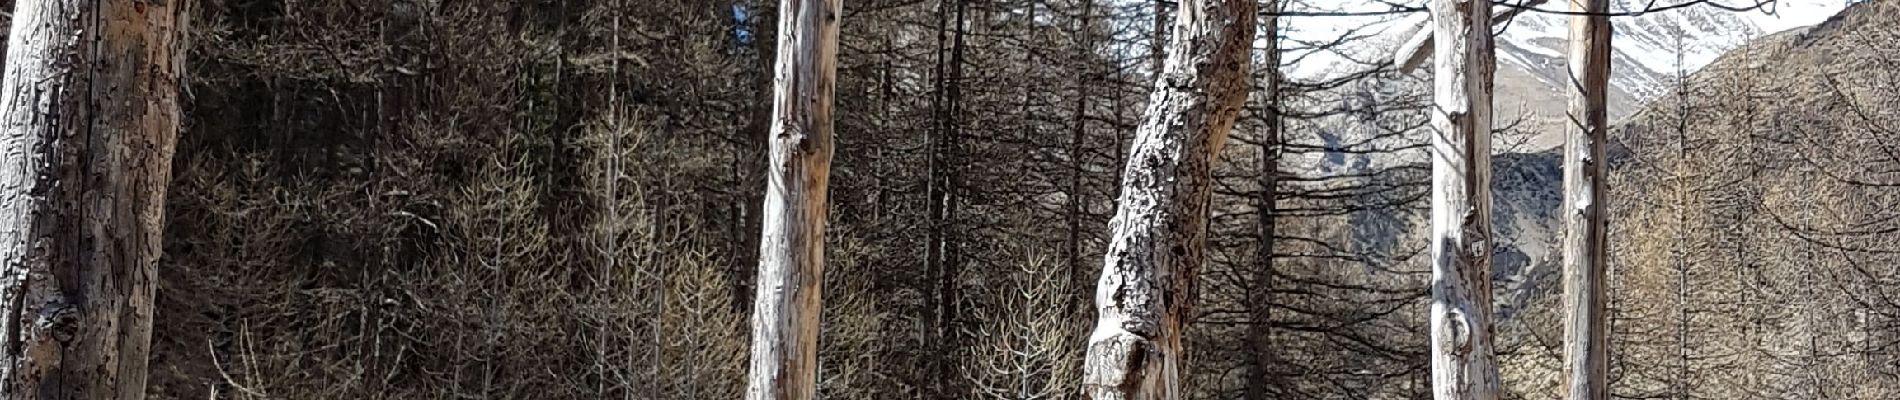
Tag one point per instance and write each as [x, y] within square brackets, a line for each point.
[1158, 236]
[787, 302]
[1463, 363]
[1586, 362]
[91, 115]
[1260, 295]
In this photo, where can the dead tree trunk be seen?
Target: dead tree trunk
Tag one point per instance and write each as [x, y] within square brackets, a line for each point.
[786, 304]
[1084, 76]
[1158, 235]
[91, 115]
[1260, 295]
[1586, 362]
[1463, 365]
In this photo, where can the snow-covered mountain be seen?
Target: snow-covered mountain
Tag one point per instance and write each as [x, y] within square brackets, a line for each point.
[1650, 50]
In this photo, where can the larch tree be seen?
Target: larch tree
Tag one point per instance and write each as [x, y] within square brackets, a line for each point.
[787, 301]
[91, 112]
[1260, 295]
[1586, 362]
[1464, 365]
[1157, 239]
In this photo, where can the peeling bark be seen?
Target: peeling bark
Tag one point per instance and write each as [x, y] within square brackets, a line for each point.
[1463, 363]
[1586, 362]
[1158, 236]
[91, 118]
[786, 304]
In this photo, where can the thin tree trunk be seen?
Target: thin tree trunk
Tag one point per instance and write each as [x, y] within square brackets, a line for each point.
[1463, 364]
[935, 199]
[1586, 339]
[942, 256]
[1156, 49]
[1260, 299]
[784, 364]
[91, 113]
[1084, 56]
[750, 160]
[1158, 236]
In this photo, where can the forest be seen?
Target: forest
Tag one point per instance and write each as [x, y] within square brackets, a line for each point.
[950, 199]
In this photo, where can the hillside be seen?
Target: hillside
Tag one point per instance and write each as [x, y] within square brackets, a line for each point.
[1745, 216]
[1649, 53]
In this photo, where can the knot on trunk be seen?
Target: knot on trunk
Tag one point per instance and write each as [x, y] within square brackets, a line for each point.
[58, 319]
[1460, 327]
[1115, 364]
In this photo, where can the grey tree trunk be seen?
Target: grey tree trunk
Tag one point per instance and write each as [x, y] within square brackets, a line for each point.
[1586, 362]
[91, 116]
[1158, 235]
[1463, 363]
[786, 304]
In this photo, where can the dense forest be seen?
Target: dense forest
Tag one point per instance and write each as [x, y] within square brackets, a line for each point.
[976, 199]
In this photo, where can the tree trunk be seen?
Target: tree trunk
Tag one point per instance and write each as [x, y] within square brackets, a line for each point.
[1084, 52]
[941, 255]
[1159, 232]
[749, 163]
[1463, 365]
[1586, 363]
[784, 364]
[1260, 295]
[91, 113]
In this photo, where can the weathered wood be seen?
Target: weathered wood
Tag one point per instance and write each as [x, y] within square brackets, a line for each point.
[1463, 364]
[1158, 236]
[90, 111]
[1586, 362]
[787, 300]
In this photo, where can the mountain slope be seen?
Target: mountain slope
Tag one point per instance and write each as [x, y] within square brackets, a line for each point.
[1745, 217]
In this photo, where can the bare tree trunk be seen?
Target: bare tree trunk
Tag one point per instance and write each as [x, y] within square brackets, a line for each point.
[787, 302]
[934, 199]
[1158, 35]
[1463, 363]
[1260, 299]
[1158, 236]
[749, 161]
[1586, 361]
[1084, 75]
[91, 116]
[942, 255]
